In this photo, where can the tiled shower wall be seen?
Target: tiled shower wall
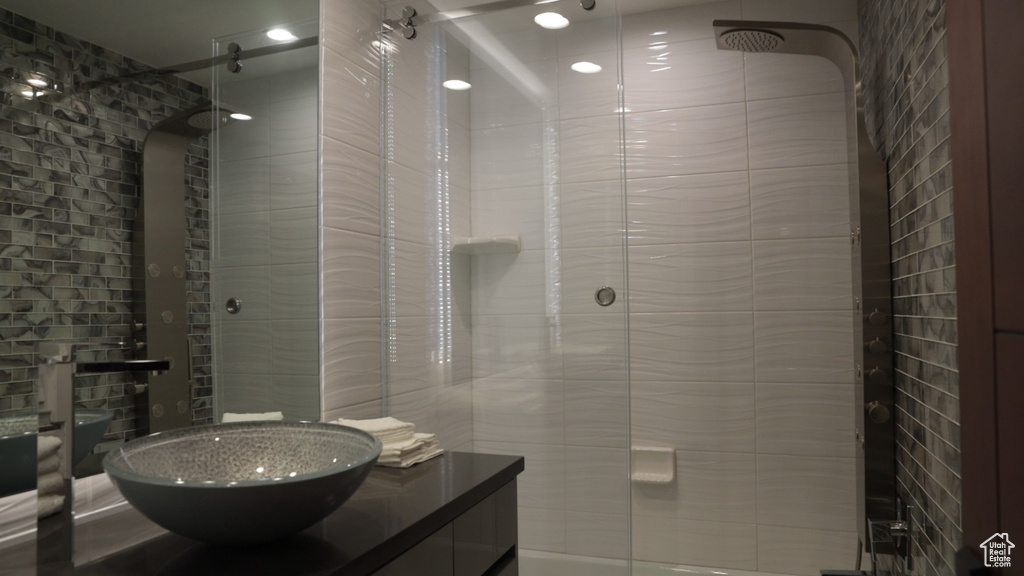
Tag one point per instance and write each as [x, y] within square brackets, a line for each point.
[741, 309]
[904, 64]
[740, 306]
[350, 285]
[69, 187]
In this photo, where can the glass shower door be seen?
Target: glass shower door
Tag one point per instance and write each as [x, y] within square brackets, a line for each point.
[504, 274]
[264, 272]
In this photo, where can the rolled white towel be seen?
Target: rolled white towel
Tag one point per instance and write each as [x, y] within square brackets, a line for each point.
[250, 417]
[47, 445]
[50, 505]
[50, 463]
[48, 483]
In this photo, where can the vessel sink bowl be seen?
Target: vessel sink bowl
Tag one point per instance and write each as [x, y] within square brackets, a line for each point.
[18, 455]
[244, 482]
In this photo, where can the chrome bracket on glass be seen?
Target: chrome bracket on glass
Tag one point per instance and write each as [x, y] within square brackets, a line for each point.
[235, 62]
[410, 18]
[405, 24]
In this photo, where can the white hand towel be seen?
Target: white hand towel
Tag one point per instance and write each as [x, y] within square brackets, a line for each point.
[388, 430]
[422, 447]
[49, 464]
[47, 445]
[251, 417]
[420, 456]
[403, 449]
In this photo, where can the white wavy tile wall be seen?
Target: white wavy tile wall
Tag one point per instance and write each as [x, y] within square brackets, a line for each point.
[350, 371]
[740, 327]
[740, 292]
[266, 246]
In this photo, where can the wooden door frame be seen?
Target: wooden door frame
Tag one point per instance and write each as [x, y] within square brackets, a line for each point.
[984, 71]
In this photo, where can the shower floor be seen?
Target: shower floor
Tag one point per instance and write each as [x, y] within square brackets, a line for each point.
[534, 563]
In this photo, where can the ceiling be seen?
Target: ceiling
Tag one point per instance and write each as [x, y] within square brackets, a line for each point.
[161, 32]
[168, 32]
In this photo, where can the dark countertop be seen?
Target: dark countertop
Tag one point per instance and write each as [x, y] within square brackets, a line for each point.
[392, 511]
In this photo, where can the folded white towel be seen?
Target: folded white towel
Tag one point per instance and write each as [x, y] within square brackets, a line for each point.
[47, 445]
[420, 456]
[51, 482]
[388, 429]
[49, 505]
[50, 463]
[423, 447]
[402, 447]
[251, 417]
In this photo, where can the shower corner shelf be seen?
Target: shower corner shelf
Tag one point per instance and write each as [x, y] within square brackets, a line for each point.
[480, 245]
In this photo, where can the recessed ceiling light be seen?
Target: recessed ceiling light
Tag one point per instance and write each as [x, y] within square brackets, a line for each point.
[586, 68]
[240, 116]
[28, 93]
[551, 20]
[281, 35]
[38, 82]
[456, 85]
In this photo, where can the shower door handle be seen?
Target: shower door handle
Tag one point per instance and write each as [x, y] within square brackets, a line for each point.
[604, 296]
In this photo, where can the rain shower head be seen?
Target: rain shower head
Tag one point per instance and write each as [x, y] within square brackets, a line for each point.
[208, 119]
[752, 40]
[789, 38]
[199, 121]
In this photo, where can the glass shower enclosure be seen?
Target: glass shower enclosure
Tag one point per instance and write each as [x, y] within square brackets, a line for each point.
[504, 218]
[623, 252]
[264, 267]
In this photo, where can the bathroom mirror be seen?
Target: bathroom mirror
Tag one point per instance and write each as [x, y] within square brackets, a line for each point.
[70, 182]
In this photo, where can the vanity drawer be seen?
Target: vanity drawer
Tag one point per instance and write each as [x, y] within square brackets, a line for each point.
[485, 532]
[431, 557]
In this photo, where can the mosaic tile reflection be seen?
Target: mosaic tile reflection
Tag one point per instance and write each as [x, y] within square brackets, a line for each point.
[69, 187]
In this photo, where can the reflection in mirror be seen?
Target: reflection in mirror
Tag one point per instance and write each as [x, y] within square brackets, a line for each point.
[70, 189]
[265, 290]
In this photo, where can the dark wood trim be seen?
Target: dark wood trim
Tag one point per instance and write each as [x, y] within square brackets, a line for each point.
[1004, 47]
[975, 304]
[1009, 375]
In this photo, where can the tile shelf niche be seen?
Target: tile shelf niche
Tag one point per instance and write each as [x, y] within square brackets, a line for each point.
[479, 245]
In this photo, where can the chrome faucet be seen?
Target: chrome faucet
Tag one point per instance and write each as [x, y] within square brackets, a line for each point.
[55, 542]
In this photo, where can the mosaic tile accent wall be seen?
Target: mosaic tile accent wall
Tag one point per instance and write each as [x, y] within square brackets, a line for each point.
[69, 187]
[903, 49]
